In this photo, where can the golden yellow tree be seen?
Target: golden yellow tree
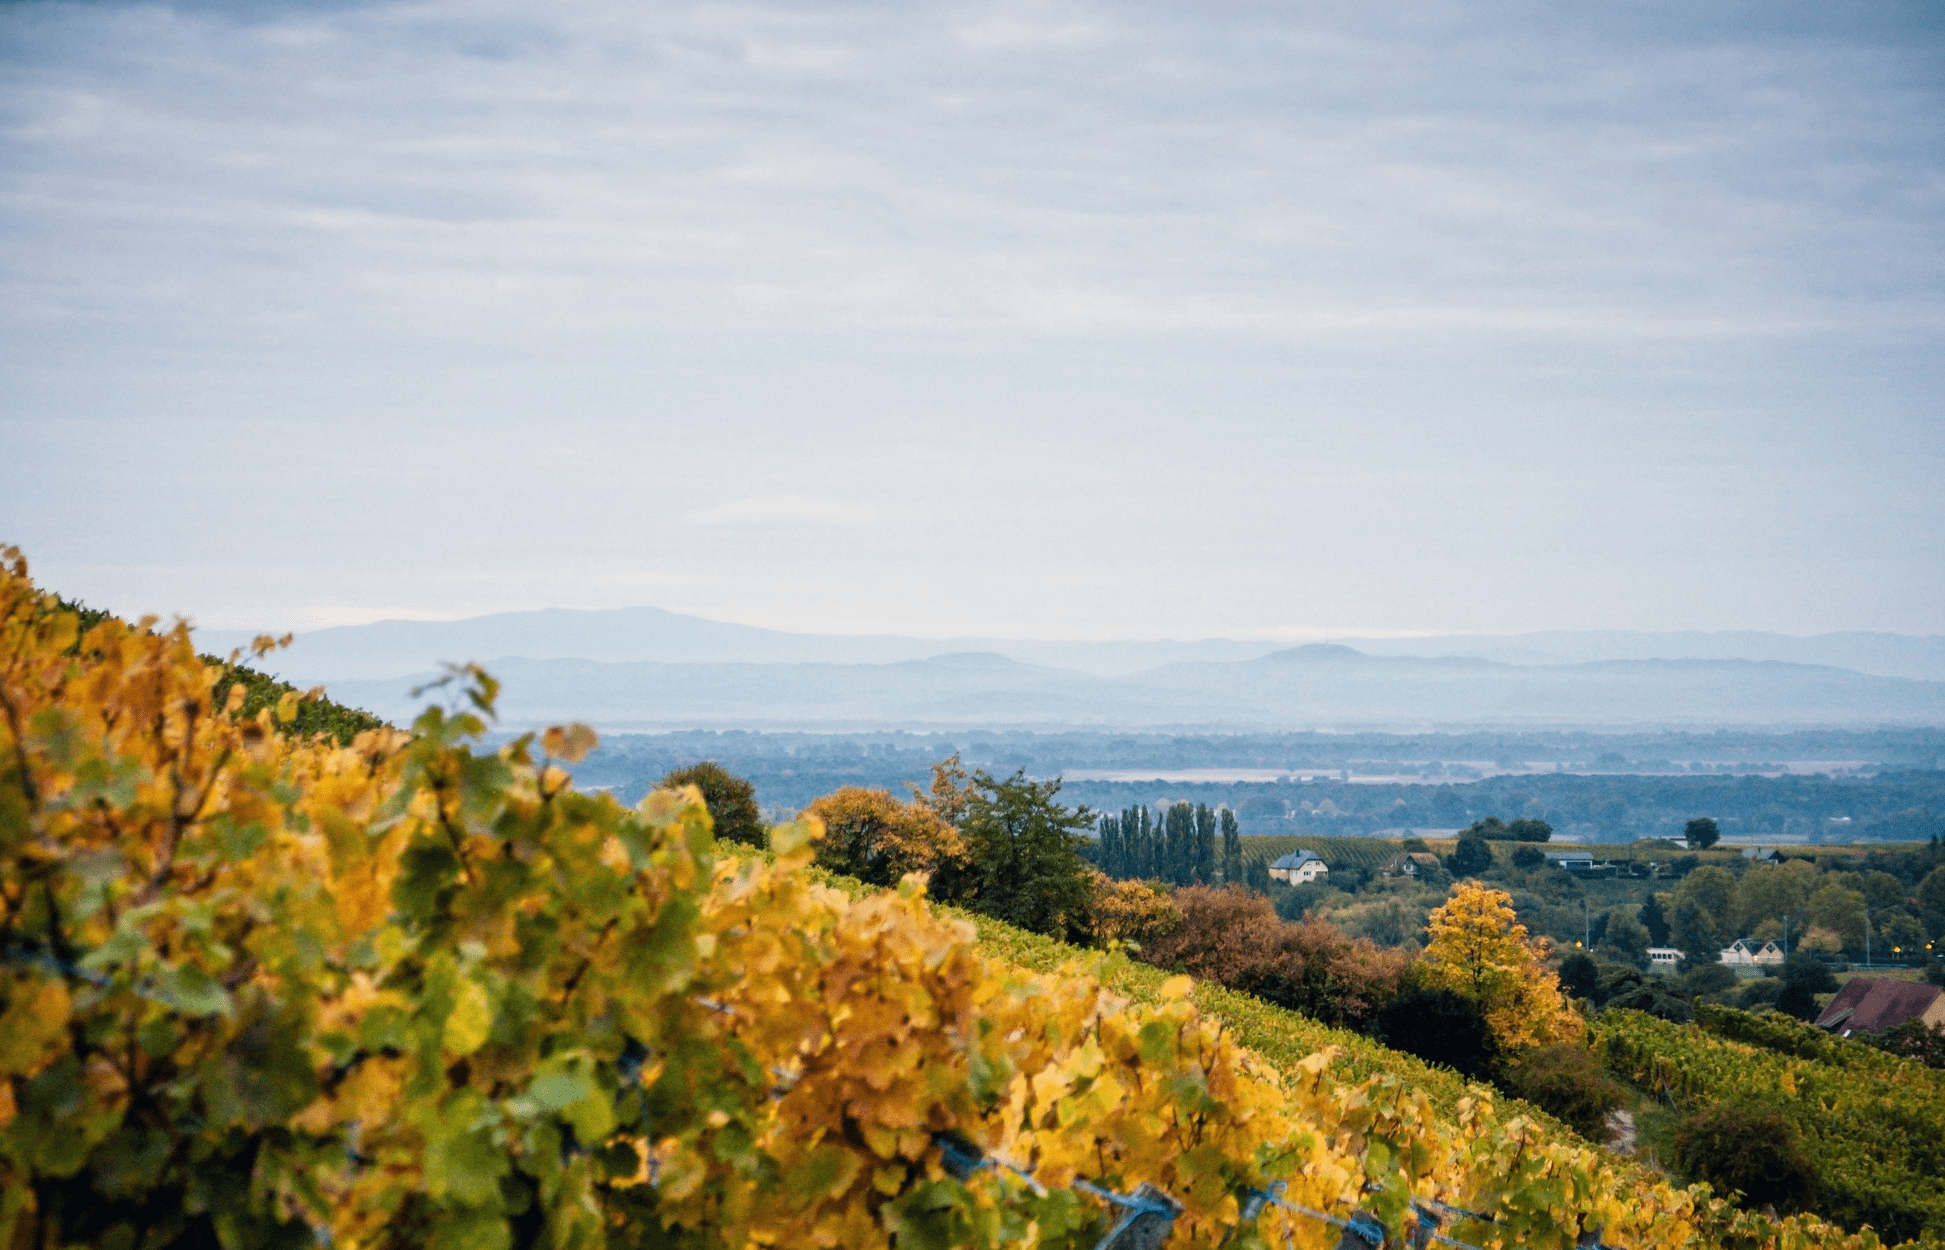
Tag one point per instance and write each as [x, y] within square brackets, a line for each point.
[1132, 911]
[1481, 950]
[872, 836]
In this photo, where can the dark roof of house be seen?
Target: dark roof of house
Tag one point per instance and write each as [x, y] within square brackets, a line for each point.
[1874, 1004]
[1297, 859]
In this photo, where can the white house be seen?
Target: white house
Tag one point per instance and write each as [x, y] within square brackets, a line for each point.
[1748, 953]
[1298, 868]
[1664, 957]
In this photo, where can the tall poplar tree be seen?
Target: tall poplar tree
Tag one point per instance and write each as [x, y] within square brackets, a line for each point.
[1179, 826]
[1232, 849]
[1135, 857]
[1203, 870]
[1109, 856]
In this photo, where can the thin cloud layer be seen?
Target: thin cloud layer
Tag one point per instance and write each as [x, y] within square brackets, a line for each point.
[1470, 316]
[785, 510]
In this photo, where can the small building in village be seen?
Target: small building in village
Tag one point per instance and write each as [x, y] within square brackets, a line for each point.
[1580, 864]
[1749, 953]
[1298, 868]
[1408, 864]
[1875, 1004]
[1665, 957]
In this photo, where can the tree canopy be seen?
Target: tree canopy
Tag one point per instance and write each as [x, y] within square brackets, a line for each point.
[1027, 865]
[1479, 949]
[1701, 833]
[1472, 855]
[730, 799]
[1493, 829]
[870, 835]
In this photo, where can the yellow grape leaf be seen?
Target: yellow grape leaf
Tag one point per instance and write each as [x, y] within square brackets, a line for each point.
[795, 835]
[1176, 987]
[470, 1022]
[664, 807]
[34, 1024]
[571, 743]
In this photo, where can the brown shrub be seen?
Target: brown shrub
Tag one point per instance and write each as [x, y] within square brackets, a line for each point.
[1234, 937]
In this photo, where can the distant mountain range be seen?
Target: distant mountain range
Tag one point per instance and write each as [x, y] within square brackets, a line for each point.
[1883, 655]
[643, 668]
[392, 648]
[389, 648]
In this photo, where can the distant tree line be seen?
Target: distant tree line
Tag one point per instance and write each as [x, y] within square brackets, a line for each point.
[789, 770]
[1493, 829]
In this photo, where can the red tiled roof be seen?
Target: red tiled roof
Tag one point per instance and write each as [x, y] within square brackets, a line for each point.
[1874, 1004]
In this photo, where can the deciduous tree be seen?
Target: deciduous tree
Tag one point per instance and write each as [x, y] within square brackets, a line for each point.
[730, 799]
[1232, 849]
[1772, 892]
[1530, 830]
[1440, 1026]
[1179, 830]
[1203, 870]
[1840, 909]
[1931, 891]
[1472, 855]
[1703, 905]
[1655, 920]
[1235, 938]
[870, 835]
[1480, 949]
[1804, 977]
[1627, 934]
[1027, 868]
[1579, 974]
[1134, 912]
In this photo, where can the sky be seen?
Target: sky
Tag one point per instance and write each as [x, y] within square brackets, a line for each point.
[1056, 319]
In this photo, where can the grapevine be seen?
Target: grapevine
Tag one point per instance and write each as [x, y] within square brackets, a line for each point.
[1876, 1123]
[263, 988]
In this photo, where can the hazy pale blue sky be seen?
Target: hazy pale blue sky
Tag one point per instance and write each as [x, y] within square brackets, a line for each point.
[1044, 319]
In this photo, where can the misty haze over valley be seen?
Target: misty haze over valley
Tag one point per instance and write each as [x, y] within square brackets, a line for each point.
[646, 669]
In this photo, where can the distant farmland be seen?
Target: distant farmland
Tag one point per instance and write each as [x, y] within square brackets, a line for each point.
[1337, 853]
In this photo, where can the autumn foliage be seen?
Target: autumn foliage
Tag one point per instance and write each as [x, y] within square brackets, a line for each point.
[1133, 912]
[870, 835]
[416, 992]
[1480, 950]
[1234, 937]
